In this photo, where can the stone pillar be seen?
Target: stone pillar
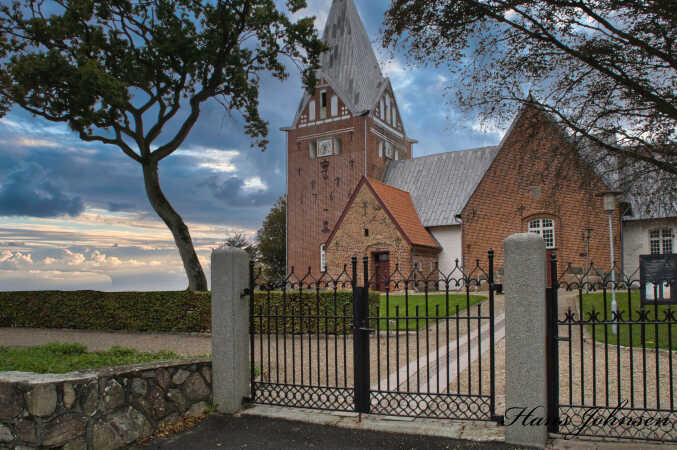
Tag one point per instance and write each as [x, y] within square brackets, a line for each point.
[525, 340]
[230, 328]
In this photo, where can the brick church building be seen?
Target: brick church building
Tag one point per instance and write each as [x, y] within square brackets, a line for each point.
[355, 190]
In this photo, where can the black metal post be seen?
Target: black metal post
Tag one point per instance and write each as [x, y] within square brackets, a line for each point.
[552, 348]
[361, 349]
[492, 362]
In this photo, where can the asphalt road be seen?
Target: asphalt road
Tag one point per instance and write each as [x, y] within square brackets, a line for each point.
[219, 432]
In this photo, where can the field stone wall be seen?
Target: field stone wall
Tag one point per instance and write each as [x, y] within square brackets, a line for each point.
[100, 409]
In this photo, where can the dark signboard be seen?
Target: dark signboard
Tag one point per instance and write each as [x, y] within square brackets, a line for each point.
[658, 278]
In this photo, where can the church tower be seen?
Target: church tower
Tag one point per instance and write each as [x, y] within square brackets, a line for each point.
[349, 127]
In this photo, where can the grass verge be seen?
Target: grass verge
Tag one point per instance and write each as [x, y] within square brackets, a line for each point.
[635, 335]
[396, 308]
[59, 357]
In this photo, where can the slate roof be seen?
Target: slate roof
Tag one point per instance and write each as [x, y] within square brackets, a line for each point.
[400, 206]
[440, 185]
[350, 64]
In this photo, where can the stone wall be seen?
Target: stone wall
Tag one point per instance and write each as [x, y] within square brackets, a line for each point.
[99, 409]
[349, 240]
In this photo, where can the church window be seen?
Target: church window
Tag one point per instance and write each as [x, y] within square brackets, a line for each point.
[661, 241]
[387, 108]
[334, 106]
[323, 258]
[382, 109]
[323, 105]
[545, 228]
[380, 149]
[312, 149]
[389, 150]
[338, 145]
[397, 155]
[311, 111]
[366, 232]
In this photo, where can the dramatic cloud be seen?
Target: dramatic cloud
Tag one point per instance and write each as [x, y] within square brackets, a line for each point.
[28, 192]
[75, 214]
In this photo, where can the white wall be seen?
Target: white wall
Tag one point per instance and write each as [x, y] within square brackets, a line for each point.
[636, 241]
[449, 238]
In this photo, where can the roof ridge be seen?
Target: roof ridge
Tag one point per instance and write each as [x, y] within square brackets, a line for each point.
[350, 61]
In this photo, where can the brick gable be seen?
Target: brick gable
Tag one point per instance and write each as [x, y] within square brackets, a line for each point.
[538, 173]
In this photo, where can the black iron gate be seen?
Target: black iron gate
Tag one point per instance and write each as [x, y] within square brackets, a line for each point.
[418, 349]
[610, 367]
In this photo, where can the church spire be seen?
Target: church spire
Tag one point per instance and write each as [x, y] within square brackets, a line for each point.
[350, 65]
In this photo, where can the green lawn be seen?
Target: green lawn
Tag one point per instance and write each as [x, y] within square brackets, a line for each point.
[437, 307]
[596, 300]
[61, 358]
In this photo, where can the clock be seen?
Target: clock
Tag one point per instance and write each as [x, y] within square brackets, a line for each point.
[324, 148]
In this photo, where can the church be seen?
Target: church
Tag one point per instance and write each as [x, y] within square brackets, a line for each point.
[355, 189]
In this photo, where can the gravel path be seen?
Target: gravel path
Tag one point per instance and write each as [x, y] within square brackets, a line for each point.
[181, 343]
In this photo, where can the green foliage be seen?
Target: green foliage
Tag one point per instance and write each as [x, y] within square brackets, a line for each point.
[182, 311]
[272, 239]
[92, 310]
[135, 74]
[238, 240]
[59, 357]
[400, 306]
[306, 313]
[640, 334]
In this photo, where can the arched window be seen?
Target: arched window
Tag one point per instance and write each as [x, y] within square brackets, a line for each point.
[323, 258]
[546, 228]
[660, 241]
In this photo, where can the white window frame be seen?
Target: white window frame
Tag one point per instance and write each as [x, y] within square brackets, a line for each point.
[334, 106]
[311, 111]
[323, 258]
[544, 227]
[389, 150]
[662, 240]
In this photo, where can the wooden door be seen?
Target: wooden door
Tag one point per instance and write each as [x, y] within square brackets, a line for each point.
[382, 270]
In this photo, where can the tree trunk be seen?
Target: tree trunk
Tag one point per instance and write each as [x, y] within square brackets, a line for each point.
[196, 277]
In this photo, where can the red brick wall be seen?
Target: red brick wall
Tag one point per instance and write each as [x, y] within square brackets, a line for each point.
[315, 196]
[536, 174]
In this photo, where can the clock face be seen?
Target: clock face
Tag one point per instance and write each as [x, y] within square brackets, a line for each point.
[324, 148]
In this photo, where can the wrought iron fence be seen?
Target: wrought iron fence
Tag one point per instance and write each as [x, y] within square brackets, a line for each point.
[612, 366]
[417, 349]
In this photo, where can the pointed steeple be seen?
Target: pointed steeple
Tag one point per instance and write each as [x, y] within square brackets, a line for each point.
[350, 65]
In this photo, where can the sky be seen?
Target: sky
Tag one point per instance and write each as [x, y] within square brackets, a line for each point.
[74, 215]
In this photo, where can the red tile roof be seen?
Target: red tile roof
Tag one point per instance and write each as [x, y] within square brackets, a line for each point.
[401, 208]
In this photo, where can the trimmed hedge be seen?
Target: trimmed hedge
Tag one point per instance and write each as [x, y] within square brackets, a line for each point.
[181, 311]
[292, 313]
[93, 310]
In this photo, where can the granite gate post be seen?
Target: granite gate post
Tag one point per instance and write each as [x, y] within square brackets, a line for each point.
[525, 340]
[230, 328]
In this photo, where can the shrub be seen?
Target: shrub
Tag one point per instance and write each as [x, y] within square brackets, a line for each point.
[182, 311]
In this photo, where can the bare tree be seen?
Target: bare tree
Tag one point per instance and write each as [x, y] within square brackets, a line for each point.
[606, 69]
